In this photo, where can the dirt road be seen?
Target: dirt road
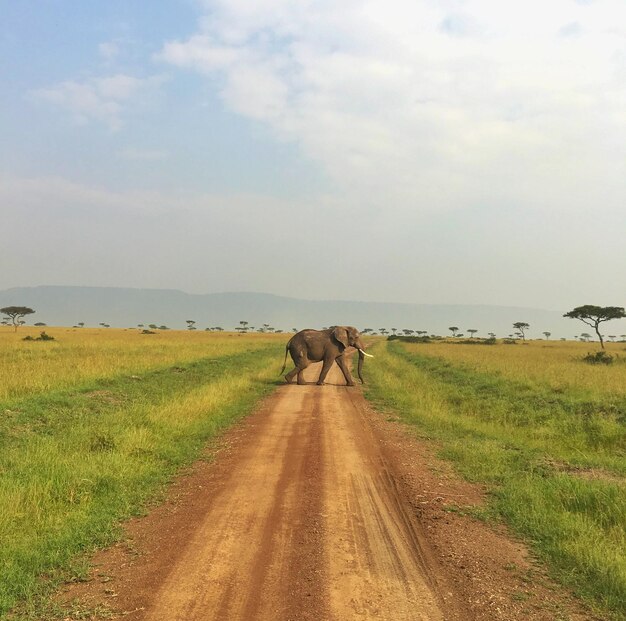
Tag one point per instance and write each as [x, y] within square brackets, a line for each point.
[303, 518]
[307, 525]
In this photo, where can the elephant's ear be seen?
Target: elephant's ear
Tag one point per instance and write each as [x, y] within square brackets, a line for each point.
[341, 334]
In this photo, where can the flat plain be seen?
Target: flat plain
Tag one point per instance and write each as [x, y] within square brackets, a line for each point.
[317, 505]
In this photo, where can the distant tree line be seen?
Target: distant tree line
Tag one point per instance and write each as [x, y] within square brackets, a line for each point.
[589, 314]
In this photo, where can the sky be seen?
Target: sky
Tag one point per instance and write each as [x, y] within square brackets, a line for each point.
[421, 151]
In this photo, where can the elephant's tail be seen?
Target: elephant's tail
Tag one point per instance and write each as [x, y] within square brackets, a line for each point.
[286, 351]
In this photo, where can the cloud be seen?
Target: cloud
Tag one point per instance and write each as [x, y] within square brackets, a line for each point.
[405, 103]
[100, 99]
[459, 25]
[573, 29]
[467, 143]
[199, 52]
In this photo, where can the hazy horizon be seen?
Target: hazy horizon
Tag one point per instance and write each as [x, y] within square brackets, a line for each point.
[263, 293]
[463, 152]
[124, 307]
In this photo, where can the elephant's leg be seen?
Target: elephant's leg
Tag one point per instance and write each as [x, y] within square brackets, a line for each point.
[328, 362]
[344, 369]
[301, 362]
[299, 371]
[291, 375]
[301, 380]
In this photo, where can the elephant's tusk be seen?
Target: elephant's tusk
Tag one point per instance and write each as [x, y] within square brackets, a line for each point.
[368, 355]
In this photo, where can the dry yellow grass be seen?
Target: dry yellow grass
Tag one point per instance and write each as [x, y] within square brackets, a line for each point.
[556, 363]
[80, 355]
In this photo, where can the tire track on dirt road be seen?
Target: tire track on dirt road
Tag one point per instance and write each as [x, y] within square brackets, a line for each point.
[377, 567]
[245, 559]
[301, 520]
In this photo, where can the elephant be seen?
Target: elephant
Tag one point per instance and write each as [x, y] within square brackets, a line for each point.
[329, 346]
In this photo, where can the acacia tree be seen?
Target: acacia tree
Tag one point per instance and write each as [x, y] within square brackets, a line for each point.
[454, 330]
[594, 315]
[15, 314]
[472, 331]
[520, 326]
[547, 335]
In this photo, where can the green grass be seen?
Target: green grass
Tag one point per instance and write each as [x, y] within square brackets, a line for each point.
[74, 463]
[554, 460]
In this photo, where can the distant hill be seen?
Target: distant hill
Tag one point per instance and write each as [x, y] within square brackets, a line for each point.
[129, 307]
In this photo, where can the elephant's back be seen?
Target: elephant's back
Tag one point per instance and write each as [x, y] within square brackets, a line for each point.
[315, 342]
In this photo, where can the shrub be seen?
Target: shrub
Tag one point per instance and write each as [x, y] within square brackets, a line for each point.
[42, 337]
[599, 357]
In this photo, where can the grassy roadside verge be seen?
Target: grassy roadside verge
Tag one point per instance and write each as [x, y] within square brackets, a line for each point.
[554, 463]
[75, 463]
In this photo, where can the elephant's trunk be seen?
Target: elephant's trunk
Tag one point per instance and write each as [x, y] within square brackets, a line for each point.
[362, 355]
[360, 366]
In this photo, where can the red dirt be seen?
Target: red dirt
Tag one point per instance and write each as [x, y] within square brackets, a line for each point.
[317, 508]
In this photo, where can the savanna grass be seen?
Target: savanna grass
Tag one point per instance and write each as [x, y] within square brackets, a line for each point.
[552, 453]
[557, 364]
[83, 354]
[76, 461]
